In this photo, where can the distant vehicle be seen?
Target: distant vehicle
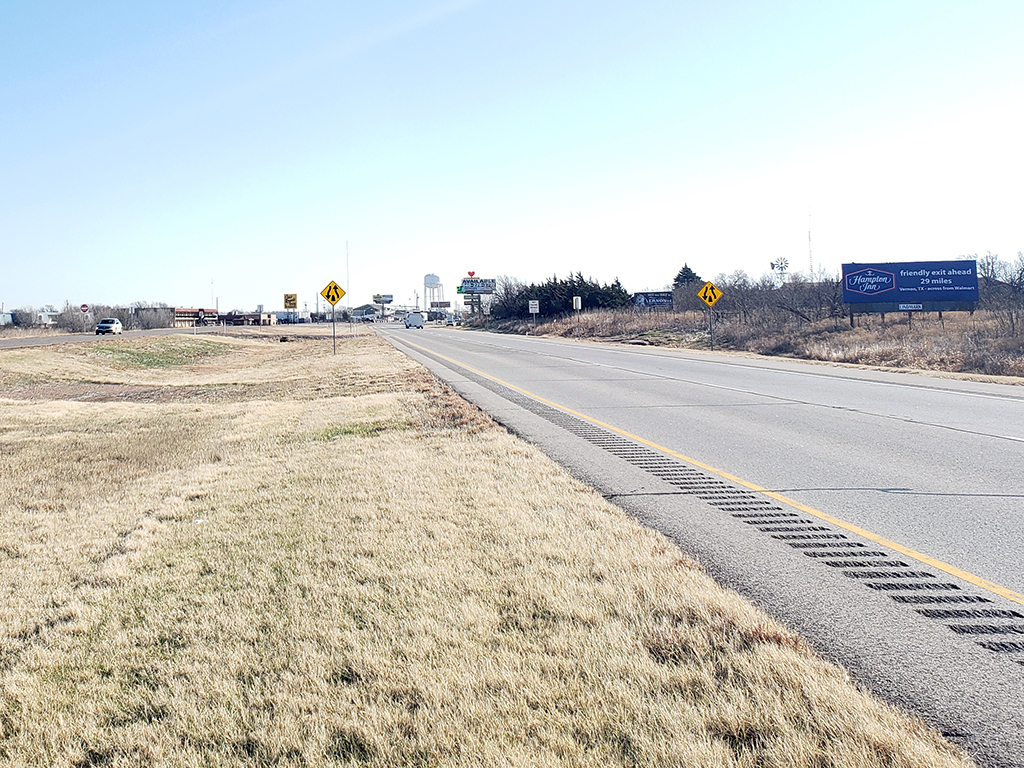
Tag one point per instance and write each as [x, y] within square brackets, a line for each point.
[109, 325]
[414, 320]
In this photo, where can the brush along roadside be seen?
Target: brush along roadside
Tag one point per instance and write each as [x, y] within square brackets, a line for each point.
[264, 554]
[975, 344]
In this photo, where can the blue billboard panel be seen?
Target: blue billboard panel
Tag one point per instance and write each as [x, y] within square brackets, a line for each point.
[653, 299]
[910, 283]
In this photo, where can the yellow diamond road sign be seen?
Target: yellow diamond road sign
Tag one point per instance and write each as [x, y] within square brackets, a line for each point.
[333, 293]
[709, 294]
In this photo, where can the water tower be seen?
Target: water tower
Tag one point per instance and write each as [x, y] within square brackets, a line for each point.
[432, 290]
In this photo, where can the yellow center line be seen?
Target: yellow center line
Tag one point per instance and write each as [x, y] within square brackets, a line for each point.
[952, 570]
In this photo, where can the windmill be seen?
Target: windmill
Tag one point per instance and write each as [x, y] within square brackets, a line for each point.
[780, 266]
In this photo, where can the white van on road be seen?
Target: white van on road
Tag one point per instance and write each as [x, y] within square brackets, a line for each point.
[414, 320]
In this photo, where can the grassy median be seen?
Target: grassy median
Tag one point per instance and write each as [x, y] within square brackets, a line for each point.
[220, 551]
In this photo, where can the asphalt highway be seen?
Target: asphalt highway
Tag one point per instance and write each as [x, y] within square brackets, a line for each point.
[878, 513]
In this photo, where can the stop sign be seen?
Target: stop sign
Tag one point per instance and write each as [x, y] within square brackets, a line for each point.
[85, 308]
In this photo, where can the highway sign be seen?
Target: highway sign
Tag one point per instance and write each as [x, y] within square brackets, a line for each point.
[333, 293]
[291, 300]
[709, 294]
[534, 306]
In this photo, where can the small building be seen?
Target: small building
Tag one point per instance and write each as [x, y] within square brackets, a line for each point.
[249, 318]
[366, 313]
[6, 318]
[47, 316]
[190, 317]
[284, 317]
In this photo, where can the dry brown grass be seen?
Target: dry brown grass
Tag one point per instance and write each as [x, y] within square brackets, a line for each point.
[24, 332]
[958, 343]
[263, 554]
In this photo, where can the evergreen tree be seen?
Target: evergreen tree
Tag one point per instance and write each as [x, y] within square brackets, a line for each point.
[685, 277]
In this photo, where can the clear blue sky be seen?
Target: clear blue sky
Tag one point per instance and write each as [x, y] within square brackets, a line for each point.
[147, 152]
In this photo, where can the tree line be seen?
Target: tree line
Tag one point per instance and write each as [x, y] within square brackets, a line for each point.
[138, 315]
[511, 297]
[771, 301]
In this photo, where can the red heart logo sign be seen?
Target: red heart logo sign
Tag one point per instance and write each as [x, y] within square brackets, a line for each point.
[472, 273]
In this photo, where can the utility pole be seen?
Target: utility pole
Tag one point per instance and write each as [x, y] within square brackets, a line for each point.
[810, 254]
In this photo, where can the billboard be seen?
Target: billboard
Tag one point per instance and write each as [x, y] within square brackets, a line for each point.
[908, 286]
[653, 299]
[477, 285]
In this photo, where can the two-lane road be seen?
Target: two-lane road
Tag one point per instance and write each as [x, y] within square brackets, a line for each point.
[923, 475]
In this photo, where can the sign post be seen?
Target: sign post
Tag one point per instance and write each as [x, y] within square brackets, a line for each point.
[333, 293]
[709, 294]
[534, 309]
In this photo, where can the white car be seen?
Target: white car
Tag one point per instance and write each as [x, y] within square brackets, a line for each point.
[109, 325]
[414, 320]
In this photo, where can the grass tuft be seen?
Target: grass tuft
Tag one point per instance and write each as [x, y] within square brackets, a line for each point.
[162, 352]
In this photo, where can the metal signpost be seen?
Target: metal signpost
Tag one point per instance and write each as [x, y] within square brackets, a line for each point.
[709, 294]
[333, 293]
[382, 299]
[474, 288]
[534, 309]
[85, 310]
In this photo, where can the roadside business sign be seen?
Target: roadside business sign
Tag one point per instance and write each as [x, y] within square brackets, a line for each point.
[653, 299]
[383, 298]
[911, 286]
[440, 304]
[291, 300]
[477, 285]
[333, 293]
[709, 293]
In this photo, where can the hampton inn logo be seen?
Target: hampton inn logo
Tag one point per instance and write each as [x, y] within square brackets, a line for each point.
[870, 282]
